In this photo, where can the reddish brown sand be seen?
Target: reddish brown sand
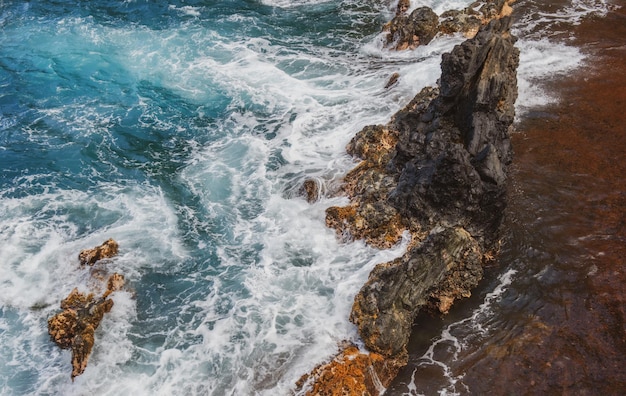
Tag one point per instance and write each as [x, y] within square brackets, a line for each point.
[578, 345]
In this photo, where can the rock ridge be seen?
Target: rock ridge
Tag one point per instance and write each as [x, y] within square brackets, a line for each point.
[438, 170]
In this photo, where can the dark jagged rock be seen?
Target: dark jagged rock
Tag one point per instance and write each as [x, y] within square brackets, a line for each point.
[89, 256]
[452, 162]
[445, 266]
[450, 158]
[437, 169]
[409, 31]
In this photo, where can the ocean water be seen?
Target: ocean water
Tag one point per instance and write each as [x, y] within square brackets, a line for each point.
[183, 130]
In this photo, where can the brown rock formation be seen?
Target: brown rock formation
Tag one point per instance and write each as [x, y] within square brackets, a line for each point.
[351, 373]
[89, 256]
[367, 217]
[422, 25]
[410, 31]
[75, 326]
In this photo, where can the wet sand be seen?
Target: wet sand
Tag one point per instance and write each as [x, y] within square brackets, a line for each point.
[574, 342]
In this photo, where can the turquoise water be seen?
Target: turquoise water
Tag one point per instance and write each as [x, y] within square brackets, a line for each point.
[183, 131]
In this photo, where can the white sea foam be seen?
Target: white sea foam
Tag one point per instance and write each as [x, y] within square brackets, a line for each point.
[439, 6]
[293, 3]
[542, 56]
[539, 60]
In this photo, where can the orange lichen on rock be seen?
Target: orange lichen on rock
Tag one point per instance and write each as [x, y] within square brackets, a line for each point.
[368, 217]
[351, 373]
[89, 256]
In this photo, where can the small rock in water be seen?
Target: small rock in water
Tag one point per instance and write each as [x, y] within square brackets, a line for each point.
[89, 256]
[310, 190]
[393, 80]
[75, 326]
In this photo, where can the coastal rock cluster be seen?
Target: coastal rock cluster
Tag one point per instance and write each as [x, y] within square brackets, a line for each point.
[74, 327]
[438, 170]
[407, 31]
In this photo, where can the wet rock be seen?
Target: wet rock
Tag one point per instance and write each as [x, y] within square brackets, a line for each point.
[310, 190]
[466, 21]
[393, 80]
[368, 217]
[437, 169]
[495, 9]
[74, 328]
[89, 256]
[422, 25]
[408, 32]
[351, 373]
[446, 265]
[453, 167]
[451, 160]
[403, 6]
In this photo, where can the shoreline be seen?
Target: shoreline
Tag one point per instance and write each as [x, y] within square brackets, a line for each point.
[571, 339]
[438, 170]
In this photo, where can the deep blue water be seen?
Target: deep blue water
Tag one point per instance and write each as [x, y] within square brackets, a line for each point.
[183, 130]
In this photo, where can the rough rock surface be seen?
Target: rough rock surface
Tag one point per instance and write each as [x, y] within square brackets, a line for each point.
[89, 256]
[351, 373]
[450, 159]
[445, 266]
[423, 24]
[409, 31]
[438, 170]
[74, 327]
[310, 190]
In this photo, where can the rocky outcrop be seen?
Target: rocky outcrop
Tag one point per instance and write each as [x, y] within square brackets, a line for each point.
[89, 256]
[450, 170]
[423, 24]
[438, 170]
[75, 326]
[409, 31]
